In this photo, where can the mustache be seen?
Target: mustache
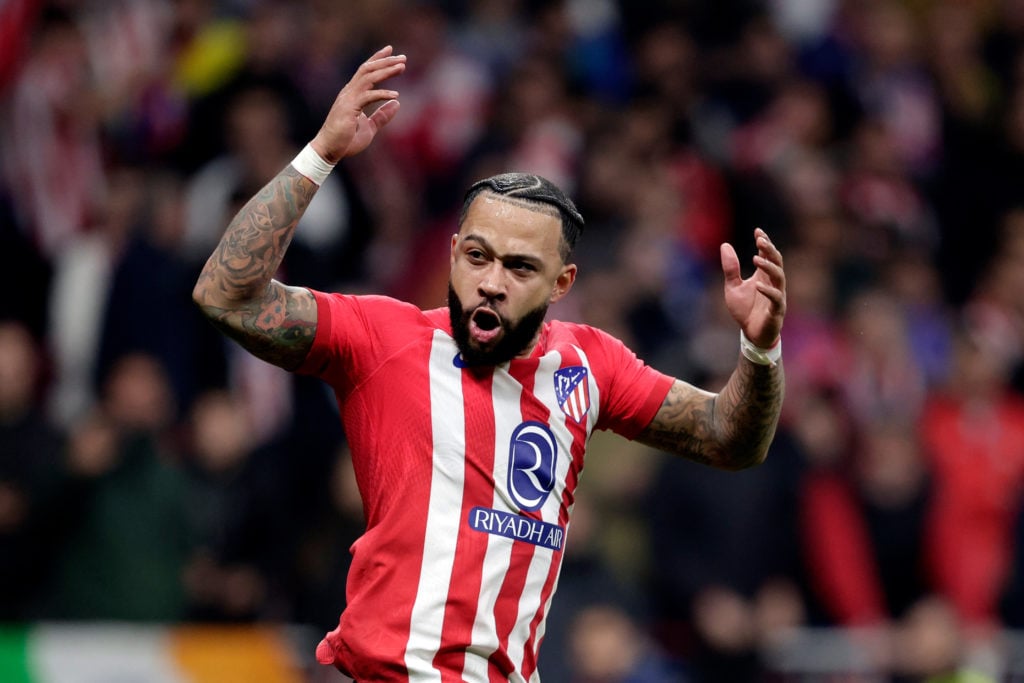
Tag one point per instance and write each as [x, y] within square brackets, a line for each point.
[517, 333]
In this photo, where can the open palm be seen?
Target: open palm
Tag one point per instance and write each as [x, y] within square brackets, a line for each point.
[757, 303]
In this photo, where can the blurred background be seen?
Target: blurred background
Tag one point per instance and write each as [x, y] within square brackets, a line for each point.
[172, 509]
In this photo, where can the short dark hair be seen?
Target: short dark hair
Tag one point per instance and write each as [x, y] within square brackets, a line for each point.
[533, 189]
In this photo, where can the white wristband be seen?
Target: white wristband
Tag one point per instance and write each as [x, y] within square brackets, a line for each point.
[761, 356]
[312, 165]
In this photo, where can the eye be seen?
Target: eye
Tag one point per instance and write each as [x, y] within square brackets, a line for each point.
[476, 256]
[521, 267]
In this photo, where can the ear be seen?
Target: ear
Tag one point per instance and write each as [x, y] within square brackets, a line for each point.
[455, 243]
[563, 283]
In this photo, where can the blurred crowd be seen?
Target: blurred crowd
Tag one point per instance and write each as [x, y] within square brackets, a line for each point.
[151, 470]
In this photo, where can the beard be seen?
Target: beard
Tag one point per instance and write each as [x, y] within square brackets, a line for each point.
[515, 338]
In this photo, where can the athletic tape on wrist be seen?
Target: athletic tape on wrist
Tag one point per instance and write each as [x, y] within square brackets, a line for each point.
[761, 356]
[312, 165]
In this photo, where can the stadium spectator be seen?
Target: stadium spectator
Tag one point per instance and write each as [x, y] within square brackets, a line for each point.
[31, 481]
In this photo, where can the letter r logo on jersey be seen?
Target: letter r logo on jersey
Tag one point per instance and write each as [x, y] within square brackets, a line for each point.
[532, 455]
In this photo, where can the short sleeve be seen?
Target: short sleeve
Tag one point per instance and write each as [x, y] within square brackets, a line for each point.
[631, 391]
[338, 322]
[355, 334]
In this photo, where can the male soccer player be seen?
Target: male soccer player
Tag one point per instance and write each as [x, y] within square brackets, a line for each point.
[468, 426]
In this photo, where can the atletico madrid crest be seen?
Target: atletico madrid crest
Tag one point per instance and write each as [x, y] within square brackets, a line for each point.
[573, 391]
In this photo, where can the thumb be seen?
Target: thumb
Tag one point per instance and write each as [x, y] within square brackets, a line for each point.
[730, 264]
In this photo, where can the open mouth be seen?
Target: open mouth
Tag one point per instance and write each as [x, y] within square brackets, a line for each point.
[486, 319]
[485, 325]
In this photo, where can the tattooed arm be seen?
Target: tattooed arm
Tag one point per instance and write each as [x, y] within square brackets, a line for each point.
[236, 289]
[729, 430]
[733, 429]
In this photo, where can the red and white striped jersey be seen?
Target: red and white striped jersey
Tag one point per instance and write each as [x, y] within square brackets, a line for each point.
[468, 478]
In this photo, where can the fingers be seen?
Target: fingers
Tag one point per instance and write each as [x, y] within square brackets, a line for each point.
[768, 258]
[361, 90]
[380, 66]
[766, 248]
[371, 73]
[384, 114]
[775, 295]
[352, 123]
[368, 97]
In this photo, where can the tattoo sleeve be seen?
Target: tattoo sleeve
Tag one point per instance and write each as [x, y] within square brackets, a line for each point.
[729, 430]
[236, 289]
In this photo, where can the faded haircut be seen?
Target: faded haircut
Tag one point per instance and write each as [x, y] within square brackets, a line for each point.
[539, 192]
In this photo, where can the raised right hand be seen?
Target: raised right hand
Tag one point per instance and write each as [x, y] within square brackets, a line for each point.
[347, 130]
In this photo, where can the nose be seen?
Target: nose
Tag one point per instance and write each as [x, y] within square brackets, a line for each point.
[492, 283]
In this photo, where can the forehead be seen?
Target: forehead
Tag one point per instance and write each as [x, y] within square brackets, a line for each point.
[514, 225]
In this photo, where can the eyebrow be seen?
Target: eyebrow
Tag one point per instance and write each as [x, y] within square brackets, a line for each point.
[528, 258]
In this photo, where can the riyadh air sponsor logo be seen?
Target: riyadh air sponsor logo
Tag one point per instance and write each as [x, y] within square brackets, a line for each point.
[572, 390]
[532, 456]
[517, 527]
[531, 464]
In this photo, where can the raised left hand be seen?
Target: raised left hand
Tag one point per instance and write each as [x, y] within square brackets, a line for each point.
[757, 303]
[348, 130]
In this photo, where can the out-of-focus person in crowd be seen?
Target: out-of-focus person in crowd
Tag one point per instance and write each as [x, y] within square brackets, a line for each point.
[234, 507]
[658, 208]
[23, 268]
[50, 147]
[887, 209]
[814, 325]
[532, 125]
[913, 281]
[84, 268]
[31, 463]
[965, 73]
[995, 306]
[865, 519]
[332, 36]
[223, 52]
[1011, 597]
[893, 85]
[445, 99]
[495, 33]
[986, 165]
[930, 644]
[130, 261]
[126, 549]
[93, 86]
[16, 21]
[151, 271]
[322, 557]
[609, 646]
[973, 436]
[884, 378]
[129, 47]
